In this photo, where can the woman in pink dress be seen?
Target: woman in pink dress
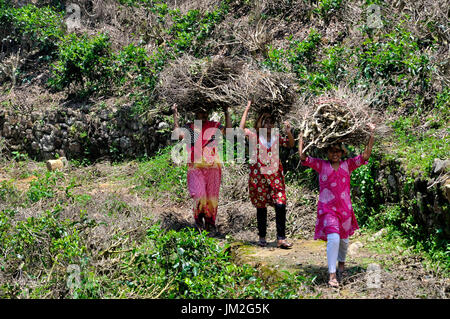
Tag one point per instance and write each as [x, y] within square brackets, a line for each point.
[336, 220]
[204, 165]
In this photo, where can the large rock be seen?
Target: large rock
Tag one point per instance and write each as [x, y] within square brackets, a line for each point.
[440, 166]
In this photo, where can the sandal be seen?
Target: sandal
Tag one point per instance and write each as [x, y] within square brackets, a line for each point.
[284, 245]
[333, 283]
[262, 243]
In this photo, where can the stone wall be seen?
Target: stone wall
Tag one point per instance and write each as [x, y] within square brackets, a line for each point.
[81, 132]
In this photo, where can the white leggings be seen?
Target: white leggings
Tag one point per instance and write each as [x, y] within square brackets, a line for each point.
[336, 250]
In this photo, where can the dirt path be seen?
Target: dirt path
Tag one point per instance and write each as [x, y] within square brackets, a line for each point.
[375, 268]
[370, 274]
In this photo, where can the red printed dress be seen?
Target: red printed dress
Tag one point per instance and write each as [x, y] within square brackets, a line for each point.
[266, 179]
[334, 209]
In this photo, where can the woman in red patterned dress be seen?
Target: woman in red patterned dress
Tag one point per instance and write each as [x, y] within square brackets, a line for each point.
[266, 179]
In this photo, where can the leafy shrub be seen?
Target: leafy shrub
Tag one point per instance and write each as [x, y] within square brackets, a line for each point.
[419, 148]
[184, 264]
[44, 187]
[396, 53]
[84, 61]
[301, 54]
[8, 190]
[365, 194]
[326, 8]
[132, 64]
[31, 27]
[192, 29]
[39, 242]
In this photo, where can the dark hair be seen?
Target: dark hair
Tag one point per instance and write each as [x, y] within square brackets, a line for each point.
[339, 146]
[260, 118]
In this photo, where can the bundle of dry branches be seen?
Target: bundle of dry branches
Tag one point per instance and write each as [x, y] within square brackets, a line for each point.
[271, 92]
[219, 81]
[341, 116]
[195, 84]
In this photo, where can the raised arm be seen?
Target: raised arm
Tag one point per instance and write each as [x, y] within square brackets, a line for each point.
[287, 127]
[300, 147]
[176, 124]
[244, 116]
[368, 149]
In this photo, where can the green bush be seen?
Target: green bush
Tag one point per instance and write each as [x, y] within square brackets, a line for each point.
[184, 264]
[394, 57]
[38, 242]
[8, 190]
[302, 54]
[418, 147]
[326, 8]
[44, 186]
[189, 31]
[31, 27]
[84, 61]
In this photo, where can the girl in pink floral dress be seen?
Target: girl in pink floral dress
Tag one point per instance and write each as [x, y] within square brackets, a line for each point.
[336, 220]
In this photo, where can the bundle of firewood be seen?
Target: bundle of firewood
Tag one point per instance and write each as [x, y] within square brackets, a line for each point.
[198, 84]
[212, 83]
[270, 92]
[337, 117]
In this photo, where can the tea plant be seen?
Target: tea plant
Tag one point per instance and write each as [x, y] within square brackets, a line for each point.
[32, 27]
[44, 187]
[85, 62]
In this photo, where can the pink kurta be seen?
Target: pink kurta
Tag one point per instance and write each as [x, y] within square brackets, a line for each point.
[334, 210]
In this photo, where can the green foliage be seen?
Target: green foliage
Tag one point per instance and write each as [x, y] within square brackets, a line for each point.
[275, 59]
[39, 28]
[85, 61]
[44, 186]
[8, 191]
[39, 242]
[302, 53]
[184, 264]
[133, 61]
[398, 218]
[159, 175]
[440, 113]
[326, 8]
[365, 196]
[192, 29]
[419, 148]
[302, 58]
[396, 53]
